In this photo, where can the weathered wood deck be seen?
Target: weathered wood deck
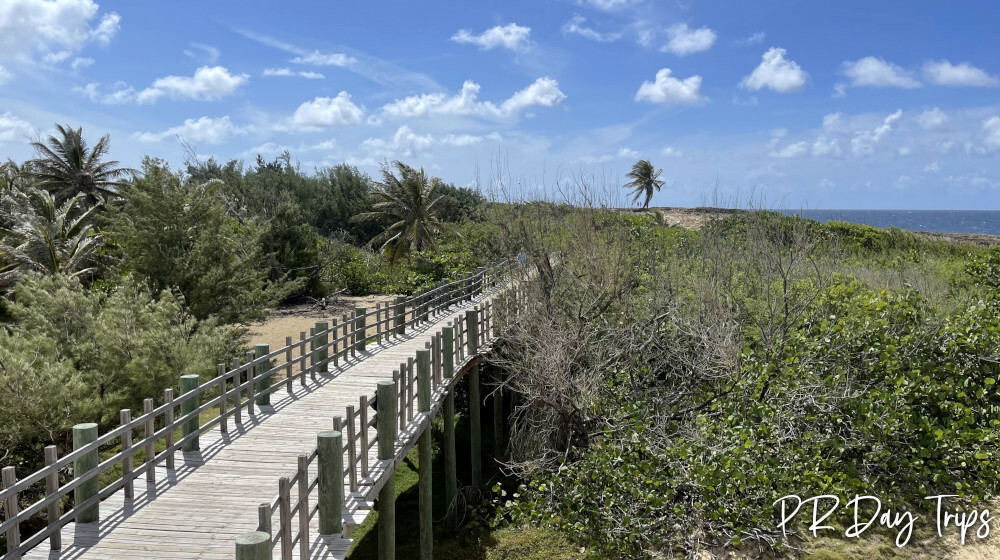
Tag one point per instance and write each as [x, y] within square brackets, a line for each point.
[198, 509]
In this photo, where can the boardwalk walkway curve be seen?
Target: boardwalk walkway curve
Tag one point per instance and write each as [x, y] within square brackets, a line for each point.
[196, 496]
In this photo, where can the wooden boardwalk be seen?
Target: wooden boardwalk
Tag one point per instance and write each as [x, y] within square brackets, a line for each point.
[198, 509]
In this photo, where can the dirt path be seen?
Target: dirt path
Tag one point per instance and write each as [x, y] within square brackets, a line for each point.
[294, 319]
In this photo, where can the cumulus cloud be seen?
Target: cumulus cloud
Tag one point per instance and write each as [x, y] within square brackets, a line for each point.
[404, 142]
[944, 73]
[327, 112]
[13, 128]
[776, 72]
[683, 40]
[795, 150]
[317, 58]
[81, 62]
[511, 36]
[205, 129]
[932, 119]
[544, 92]
[576, 26]
[864, 142]
[667, 89]
[824, 146]
[29, 27]
[991, 133]
[755, 39]
[289, 73]
[607, 5]
[209, 83]
[875, 72]
[671, 152]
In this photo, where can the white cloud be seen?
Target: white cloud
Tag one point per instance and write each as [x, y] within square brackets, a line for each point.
[831, 120]
[56, 57]
[326, 112]
[81, 62]
[544, 92]
[671, 152]
[461, 140]
[205, 129]
[289, 72]
[776, 72]
[933, 167]
[864, 142]
[755, 39]
[684, 41]
[52, 26]
[627, 153]
[13, 128]
[795, 150]
[991, 133]
[317, 58]
[209, 83]
[607, 5]
[667, 89]
[904, 182]
[205, 53]
[824, 146]
[575, 26]
[932, 119]
[405, 142]
[875, 72]
[5, 75]
[511, 36]
[944, 73]
[904, 151]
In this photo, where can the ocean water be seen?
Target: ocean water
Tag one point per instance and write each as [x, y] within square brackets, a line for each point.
[945, 221]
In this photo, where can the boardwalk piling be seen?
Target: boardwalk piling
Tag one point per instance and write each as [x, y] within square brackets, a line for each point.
[359, 327]
[450, 459]
[263, 381]
[475, 403]
[386, 425]
[424, 457]
[83, 435]
[331, 482]
[253, 546]
[189, 383]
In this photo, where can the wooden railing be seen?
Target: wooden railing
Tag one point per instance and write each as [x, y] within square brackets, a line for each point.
[430, 374]
[247, 383]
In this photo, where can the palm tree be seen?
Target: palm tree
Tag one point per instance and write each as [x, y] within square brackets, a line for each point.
[409, 203]
[66, 168]
[644, 180]
[47, 237]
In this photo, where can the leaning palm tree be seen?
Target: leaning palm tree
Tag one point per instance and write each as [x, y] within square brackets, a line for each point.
[67, 168]
[409, 203]
[644, 180]
[47, 237]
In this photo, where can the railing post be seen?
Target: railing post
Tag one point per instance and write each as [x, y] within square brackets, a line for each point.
[253, 546]
[189, 383]
[125, 416]
[168, 419]
[51, 487]
[479, 281]
[450, 459]
[288, 365]
[352, 454]
[498, 435]
[263, 381]
[359, 327]
[285, 516]
[150, 429]
[399, 316]
[220, 372]
[334, 329]
[363, 410]
[322, 355]
[264, 518]
[424, 456]
[475, 404]
[84, 435]
[303, 473]
[9, 478]
[386, 422]
[331, 482]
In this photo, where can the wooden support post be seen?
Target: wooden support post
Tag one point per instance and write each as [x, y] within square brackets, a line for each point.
[402, 396]
[251, 384]
[475, 403]
[84, 435]
[302, 358]
[124, 417]
[386, 425]
[334, 329]
[288, 365]
[331, 482]
[410, 388]
[253, 546]
[264, 518]
[189, 383]
[285, 516]
[399, 316]
[424, 457]
[220, 373]
[352, 453]
[359, 327]
[378, 323]
[323, 340]
[237, 391]
[263, 381]
[150, 428]
[51, 487]
[303, 485]
[498, 435]
[168, 419]
[312, 353]
[9, 478]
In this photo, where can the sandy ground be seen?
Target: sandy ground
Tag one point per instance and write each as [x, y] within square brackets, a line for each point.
[293, 319]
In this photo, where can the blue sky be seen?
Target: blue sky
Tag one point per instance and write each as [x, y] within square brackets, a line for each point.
[845, 104]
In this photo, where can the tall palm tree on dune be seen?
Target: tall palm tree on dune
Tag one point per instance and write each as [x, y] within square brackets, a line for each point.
[410, 204]
[65, 167]
[644, 180]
